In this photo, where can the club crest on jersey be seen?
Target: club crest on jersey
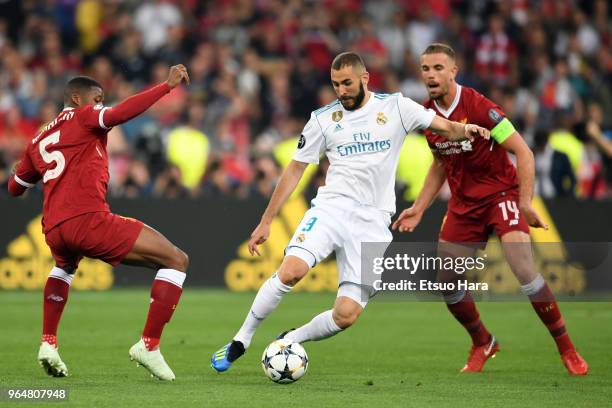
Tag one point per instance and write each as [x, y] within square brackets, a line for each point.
[381, 119]
[301, 142]
[337, 116]
[301, 238]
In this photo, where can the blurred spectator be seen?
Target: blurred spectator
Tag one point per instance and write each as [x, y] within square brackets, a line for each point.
[138, 182]
[88, 18]
[412, 85]
[188, 147]
[258, 68]
[422, 30]
[496, 52]
[594, 130]
[217, 183]
[153, 20]
[413, 165]
[266, 176]
[392, 36]
[555, 177]
[602, 141]
[128, 58]
[15, 131]
[565, 141]
[169, 184]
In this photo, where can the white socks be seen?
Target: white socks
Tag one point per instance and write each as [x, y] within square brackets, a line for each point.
[267, 299]
[320, 327]
[59, 273]
[177, 278]
[534, 286]
[454, 298]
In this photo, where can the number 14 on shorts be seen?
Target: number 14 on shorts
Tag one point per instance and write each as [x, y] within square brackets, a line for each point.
[507, 207]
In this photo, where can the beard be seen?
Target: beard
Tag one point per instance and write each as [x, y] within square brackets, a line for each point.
[356, 100]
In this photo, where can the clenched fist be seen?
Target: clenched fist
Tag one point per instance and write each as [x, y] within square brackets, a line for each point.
[178, 73]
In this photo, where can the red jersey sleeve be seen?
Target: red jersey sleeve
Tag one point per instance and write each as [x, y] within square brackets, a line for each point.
[90, 117]
[491, 116]
[104, 117]
[25, 176]
[489, 113]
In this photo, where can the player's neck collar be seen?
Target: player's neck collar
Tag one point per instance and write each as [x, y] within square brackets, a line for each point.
[67, 108]
[447, 112]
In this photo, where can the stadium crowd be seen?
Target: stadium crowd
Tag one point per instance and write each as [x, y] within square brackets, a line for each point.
[259, 67]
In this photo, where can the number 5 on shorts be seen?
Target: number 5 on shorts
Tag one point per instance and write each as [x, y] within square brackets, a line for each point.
[509, 206]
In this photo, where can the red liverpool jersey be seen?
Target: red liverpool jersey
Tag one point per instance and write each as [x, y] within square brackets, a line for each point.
[476, 171]
[69, 156]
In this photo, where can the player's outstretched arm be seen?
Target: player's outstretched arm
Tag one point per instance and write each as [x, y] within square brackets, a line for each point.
[285, 187]
[525, 166]
[137, 104]
[411, 217]
[457, 131]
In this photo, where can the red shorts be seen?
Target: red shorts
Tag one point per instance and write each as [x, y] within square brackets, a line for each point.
[99, 235]
[501, 215]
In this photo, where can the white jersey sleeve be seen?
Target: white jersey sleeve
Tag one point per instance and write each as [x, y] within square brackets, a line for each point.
[311, 143]
[414, 115]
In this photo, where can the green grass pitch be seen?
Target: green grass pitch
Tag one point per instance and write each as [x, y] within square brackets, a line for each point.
[404, 354]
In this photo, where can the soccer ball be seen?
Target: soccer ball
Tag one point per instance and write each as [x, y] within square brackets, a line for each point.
[284, 361]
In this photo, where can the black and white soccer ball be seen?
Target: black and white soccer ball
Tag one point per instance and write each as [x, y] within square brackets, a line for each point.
[284, 361]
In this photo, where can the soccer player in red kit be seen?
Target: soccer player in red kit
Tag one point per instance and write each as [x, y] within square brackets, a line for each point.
[69, 156]
[488, 195]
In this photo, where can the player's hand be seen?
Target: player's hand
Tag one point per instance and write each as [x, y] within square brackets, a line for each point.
[593, 129]
[472, 131]
[408, 220]
[532, 217]
[258, 237]
[178, 73]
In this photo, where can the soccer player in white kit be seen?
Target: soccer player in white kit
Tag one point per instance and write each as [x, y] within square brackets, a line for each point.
[361, 133]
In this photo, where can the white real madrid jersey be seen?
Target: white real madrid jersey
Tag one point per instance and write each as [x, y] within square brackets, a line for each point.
[362, 146]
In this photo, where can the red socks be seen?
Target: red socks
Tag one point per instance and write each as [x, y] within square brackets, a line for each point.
[54, 300]
[544, 303]
[165, 294]
[464, 310]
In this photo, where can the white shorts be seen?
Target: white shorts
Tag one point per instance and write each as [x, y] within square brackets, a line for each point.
[340, 224]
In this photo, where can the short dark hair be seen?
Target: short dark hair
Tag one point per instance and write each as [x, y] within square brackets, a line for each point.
[78, 84]
[347, 59]
[437, 48]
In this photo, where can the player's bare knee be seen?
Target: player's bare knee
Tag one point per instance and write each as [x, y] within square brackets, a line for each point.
[184, 259]
[346, 312]
[345, 316]
[180, 260]
[292, 270]
[524, 273]
[290, 276]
